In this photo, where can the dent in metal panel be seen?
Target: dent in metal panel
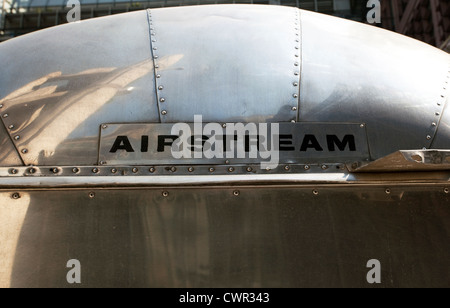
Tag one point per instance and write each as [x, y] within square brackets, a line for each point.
[361, 73]
[230, 236]
[228, 63]
[62, 83]
[8, 153]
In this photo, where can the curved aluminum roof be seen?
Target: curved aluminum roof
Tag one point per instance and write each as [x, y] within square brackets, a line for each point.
[228, 63]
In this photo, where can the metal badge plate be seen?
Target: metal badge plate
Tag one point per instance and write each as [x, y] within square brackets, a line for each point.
[239, 143]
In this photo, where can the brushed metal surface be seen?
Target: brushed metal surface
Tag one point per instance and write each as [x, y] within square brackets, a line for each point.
[265, 236]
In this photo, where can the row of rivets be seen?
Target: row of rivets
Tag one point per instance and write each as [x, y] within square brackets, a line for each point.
[11, 127]
[135, 170]
[154, 48]
[440, 103]
[296, 62]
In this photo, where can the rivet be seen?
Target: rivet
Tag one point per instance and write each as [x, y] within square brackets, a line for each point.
[293, 121]
[32, 170]
[55, 170]
[191, 169]
[236, 192]
[15, 196]
[295, 95]
[76, 170]
[160, 87]
[14, 171]
[5, 115]
[446, 190]
[387, 191]
[102, 162]
[296, 73]
[163, 112]
[152, 169]
[315, 192]
[428, 137]
[268, 169]
[224, 125]
[162, 99]
[295, 84]
[155, 56]
[287, 168]
[155, 48]
[158, 76]
[211, 169]
[227, 162]
[165, 193]
[294, 108]
[95, 170]
[433, 124]
[11, 126]
[249, 169]
[91, 195]
[296, 56]
[153, 40]
[362, 125]
[156, 66]
[24, 151]
[16, 137]
[231, 169]
[113, 170]
[324, 167]
[135, 170]
[104, 126]
[307, 167]
[437, 113]
[173, 169]
[296, 63]
[296, 47]
[153, 33]
[1, 106]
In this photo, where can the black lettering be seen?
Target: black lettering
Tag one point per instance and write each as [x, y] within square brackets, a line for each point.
[144, 144]
[333, 140]
[163, 143]
[310, 142]
[122, 143]
[286, 143]
[193, 145]
[252, 140]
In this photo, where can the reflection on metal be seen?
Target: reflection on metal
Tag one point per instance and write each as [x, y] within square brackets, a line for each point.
[314, 220]
[233, 236]
[427, 160]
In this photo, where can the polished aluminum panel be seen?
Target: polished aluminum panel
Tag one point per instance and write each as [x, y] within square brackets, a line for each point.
[61, 83]
[232, 63]
[227, 236]
[236, 143]
[8, 153]
[356, 72]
